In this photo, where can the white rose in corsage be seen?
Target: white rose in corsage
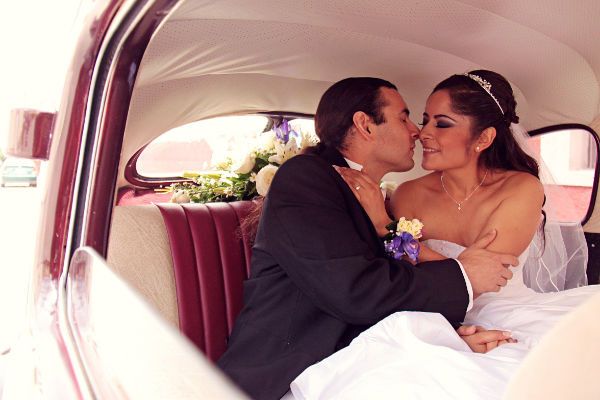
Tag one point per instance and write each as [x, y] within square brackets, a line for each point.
[264, 179]
[402, 239]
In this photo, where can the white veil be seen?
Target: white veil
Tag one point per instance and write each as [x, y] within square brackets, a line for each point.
[557, 258]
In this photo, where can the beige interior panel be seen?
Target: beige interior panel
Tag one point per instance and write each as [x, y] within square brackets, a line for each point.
[139, 252]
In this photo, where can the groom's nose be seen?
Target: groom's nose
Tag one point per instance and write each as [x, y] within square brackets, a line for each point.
[414, 130]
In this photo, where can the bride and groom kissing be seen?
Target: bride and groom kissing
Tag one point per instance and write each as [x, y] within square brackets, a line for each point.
[329, 311]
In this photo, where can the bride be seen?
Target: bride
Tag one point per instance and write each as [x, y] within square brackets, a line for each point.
[482, 179]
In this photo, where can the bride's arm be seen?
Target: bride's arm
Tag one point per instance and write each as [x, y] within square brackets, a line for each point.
[517, 217]
[426, 254]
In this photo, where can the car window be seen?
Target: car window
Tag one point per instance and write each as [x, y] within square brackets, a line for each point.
[570, 156]
[199, 146]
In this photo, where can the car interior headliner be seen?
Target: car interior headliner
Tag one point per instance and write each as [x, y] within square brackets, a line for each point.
[212, 58]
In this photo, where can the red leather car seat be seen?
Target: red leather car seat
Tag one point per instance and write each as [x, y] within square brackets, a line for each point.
[211, 258]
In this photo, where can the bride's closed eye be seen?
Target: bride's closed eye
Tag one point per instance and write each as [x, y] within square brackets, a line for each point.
[442, 124]
[438, 124]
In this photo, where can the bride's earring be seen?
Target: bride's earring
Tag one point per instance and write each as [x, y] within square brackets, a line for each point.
[477, 149]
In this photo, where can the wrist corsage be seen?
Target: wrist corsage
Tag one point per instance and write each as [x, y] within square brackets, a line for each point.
[402, 238]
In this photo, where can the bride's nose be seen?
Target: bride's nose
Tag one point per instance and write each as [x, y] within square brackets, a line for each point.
[424, 133]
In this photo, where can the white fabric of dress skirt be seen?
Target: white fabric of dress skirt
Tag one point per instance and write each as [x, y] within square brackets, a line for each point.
[418, 355]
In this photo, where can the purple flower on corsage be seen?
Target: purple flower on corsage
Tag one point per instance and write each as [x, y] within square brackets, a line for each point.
[410, 246]
[399, 242]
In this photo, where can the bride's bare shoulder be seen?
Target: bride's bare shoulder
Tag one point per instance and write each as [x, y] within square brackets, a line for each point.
[522, 183]
[520, 189]
[414, 189]
[419, 185]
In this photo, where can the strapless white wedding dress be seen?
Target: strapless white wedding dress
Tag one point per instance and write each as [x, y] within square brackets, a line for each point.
[417, 355]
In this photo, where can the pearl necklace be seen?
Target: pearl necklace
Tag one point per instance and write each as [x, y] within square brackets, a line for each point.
[460, 203]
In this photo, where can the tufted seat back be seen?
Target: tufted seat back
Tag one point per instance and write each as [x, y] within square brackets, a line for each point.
[211, 259]
[204, 260]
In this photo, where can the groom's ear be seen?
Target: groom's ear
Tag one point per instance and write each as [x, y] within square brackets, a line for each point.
[361, 124]
[486, 138]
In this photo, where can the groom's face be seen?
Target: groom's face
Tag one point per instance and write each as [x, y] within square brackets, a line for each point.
[395, 138]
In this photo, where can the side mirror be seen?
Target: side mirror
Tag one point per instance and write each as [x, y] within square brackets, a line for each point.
[30, 133]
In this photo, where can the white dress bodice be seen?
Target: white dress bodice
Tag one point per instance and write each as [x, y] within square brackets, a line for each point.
[515, 286]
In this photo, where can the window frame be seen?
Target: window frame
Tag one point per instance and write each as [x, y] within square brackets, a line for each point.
[562, 127]
[135, 178]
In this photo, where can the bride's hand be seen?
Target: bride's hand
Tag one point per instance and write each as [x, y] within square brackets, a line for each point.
[481, 340]
[369, 196]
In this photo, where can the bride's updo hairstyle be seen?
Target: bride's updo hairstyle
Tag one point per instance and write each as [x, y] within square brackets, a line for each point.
[471, 99]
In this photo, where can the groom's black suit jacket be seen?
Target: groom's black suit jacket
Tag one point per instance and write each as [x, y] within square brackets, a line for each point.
[320, 276]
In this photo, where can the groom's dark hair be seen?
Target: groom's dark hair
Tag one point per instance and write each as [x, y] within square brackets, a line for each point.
[338, 104]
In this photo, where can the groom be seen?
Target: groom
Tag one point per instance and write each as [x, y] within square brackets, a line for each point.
[320, 275]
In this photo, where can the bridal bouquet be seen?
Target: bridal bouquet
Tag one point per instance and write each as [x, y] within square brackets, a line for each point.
[246, 173]
[402, 238]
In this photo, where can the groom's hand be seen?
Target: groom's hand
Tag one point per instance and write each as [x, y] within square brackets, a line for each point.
[480, 340]
[487, 270]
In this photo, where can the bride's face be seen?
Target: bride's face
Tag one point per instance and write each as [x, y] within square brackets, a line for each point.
[446, 135]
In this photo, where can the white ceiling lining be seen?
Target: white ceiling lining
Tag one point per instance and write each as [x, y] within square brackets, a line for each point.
[575, 24]
[537, 54]
[212, 58]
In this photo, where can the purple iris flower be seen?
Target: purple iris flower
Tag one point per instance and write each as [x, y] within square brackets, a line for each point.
[283, 131]
[410, 246]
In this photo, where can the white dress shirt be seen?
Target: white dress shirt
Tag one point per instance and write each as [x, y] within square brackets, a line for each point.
[359, 167]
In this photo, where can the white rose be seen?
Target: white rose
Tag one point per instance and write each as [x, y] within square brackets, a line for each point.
[180, 196]
[264, 179]
[243, 163]
[266, 142]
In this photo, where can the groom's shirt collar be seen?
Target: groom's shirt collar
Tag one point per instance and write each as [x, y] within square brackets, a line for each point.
[359, 167]
[353, 165]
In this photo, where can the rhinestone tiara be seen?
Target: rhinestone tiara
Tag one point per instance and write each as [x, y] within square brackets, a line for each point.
[485, 85]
